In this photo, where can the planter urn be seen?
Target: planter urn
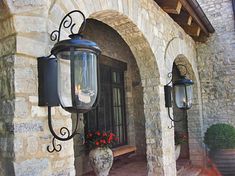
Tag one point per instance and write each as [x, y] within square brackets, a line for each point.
[101, 160]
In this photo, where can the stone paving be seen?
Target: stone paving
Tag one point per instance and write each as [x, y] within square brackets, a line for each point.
[133, 166]
[137, 166]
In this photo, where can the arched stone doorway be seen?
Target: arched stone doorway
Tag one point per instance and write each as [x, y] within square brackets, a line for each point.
[149, 78]
[192, 123]
[177, 52]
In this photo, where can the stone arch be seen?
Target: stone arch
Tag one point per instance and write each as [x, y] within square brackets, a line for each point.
[146, 61]
[179, 52]
[149, 74]
[195, 128]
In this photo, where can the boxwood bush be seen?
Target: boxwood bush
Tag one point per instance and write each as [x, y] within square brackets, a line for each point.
[220, 136]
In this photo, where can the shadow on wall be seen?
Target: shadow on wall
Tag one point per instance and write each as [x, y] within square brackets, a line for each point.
[7, 101]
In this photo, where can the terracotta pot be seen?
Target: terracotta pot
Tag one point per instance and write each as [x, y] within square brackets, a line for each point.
[177, 151]
[101, 160]
[224, 160]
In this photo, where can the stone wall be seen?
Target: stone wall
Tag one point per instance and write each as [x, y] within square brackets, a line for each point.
[216, 64]
[145, 28]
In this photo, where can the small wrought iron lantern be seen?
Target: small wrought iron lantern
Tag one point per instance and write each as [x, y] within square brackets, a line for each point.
[72, 73]
[182, 93]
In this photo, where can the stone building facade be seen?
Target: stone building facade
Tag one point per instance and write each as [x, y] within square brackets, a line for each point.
[216, 64]
[152, 42]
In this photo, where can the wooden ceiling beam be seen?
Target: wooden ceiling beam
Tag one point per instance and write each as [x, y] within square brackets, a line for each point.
[170, 6]
[183, 18]
[194, 15]
[193, 30]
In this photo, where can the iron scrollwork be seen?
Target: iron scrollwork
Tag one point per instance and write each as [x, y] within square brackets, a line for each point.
[64, 132]
[67, 22]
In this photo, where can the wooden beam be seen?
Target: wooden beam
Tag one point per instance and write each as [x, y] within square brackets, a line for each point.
[194, 16]
[201, 38]
[192, 30]
[190, 18]
[182, 18]
[170, 6]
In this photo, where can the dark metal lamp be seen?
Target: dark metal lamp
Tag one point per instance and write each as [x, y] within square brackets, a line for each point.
[182, 93]
[69, 76]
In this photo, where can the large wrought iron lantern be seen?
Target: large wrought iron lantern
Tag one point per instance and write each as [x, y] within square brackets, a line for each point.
[182, 93]
[69, 76]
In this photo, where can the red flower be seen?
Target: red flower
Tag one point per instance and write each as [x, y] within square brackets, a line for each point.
[100, 139]
[89, 135]
[98, 133]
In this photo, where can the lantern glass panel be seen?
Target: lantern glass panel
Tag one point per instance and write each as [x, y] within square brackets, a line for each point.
[85, 79]
[64, 82]
[77, 86]
[183, 96]
[179, 91]
[189, 89]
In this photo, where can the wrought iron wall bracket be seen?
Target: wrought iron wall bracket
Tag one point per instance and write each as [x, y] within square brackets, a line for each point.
[64, 132]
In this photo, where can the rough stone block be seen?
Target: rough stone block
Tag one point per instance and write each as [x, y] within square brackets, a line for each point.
[34, 167]
[29, 127]
[33, 99]
[34, 24]
[7, 109]
[18, 145]
[21, 107]
[31, 46]
[7, 28]
[32, 144]
[37, 111]
[22, 6]
[8, 46]
[25, 80]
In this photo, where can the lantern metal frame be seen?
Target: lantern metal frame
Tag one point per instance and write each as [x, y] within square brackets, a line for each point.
[47, 76]
[168, 92]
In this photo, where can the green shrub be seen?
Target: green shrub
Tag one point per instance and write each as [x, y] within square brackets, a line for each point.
[220, 136]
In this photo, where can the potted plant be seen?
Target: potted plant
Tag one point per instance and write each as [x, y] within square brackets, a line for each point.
[180, 138]
[100, 155]
[220, 139]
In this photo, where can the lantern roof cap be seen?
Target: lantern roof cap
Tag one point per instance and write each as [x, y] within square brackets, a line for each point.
[183, 81]
[77, 42]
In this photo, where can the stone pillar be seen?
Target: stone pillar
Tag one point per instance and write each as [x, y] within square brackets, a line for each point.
[7, 92]
[24, 133]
